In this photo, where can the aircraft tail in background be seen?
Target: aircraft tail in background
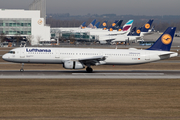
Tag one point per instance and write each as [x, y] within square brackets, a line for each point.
[115, 25]
[132, 31]
[97, 25]
[118, 25]
[147, 26]
[91, 25]
[83, 25]
[128, 25]
[104, 25]
[135, 32]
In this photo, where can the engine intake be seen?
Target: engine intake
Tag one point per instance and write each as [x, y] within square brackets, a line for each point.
[73, 65]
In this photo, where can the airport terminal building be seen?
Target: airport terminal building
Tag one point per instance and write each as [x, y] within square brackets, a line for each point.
[26, 23]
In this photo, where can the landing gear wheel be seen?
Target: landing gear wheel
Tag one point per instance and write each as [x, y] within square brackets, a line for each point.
[21, 70]
[89, 69]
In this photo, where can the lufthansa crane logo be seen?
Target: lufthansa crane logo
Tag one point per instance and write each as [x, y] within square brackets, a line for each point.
[40, 21]
[147, 26]
[166, 39]
[113, 24]
[119, 29]
[138, 31]
[104, 28]
[110, 29]
[104, 24]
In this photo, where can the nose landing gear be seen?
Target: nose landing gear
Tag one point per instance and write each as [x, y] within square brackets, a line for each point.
[22, 68]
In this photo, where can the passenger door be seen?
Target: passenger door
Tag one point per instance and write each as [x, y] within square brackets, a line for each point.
[22, 53]
[57, 55]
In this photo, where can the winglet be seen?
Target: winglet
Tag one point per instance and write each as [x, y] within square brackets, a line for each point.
[165, 40]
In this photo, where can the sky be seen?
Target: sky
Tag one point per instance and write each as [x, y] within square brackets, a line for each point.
[119, 7]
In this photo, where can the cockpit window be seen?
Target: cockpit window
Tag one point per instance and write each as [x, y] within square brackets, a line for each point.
[11, 52]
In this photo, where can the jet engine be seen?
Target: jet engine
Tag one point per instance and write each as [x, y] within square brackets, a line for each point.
[73, 65]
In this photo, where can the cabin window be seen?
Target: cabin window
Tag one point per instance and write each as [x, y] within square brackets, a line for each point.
[11, 52]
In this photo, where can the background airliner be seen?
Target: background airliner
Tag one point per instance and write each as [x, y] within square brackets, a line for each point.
[129, 36]
[78, 58]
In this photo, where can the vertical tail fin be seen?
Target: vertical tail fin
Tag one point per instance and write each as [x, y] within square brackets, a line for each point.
[120, 29]
[118, 25]
[128, 25]
[132, 31]
[97, 25]
[165, 40]
[147, 26]
[113, 24]
[91, 25]
[137, 32]
[104, 25]
[83, 25]
[112, 27]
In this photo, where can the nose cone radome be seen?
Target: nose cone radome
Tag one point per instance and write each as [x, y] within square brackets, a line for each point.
[4, 57]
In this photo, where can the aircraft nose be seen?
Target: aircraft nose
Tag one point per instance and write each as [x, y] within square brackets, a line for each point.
[4, 57]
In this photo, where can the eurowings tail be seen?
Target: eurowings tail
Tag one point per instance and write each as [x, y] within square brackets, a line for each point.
[128, 25]
[165, 40]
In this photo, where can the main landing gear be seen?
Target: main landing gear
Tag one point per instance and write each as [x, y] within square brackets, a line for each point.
[22, 68]
[89, 69]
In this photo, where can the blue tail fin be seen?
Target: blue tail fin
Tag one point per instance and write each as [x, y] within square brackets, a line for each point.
[97, 25]
[113, 24]
[120, 29]
[135, 32]
[118, 25]
[104, 25]
[132, 32]
[91, 25]
[83, 24]
[165, 40]
[147, 26]
[93, 22]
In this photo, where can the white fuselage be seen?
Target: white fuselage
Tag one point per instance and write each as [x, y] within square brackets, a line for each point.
[61, 55]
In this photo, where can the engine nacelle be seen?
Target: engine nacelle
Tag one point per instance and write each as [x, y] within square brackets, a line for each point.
[100, 63]
[73, 65]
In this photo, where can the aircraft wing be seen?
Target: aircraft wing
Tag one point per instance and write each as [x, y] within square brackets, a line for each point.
[95, 60]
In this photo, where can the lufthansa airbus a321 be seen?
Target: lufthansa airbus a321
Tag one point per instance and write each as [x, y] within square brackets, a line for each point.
[79, 58]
